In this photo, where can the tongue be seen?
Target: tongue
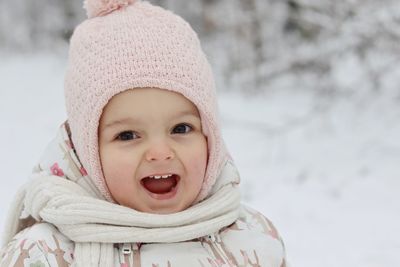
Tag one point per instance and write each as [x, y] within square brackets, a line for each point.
[159, 186]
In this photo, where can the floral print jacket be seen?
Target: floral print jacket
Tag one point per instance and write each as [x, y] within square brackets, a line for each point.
[251, 241]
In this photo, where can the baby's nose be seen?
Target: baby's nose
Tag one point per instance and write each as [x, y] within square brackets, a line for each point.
[159, 151]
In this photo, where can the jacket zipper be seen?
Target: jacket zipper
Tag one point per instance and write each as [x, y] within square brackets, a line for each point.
[125, 255]
[215, 238]
[129, 255]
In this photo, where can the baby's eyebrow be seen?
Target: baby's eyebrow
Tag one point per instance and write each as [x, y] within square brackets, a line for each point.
[118, 122]
[186, 112]
[182, 113]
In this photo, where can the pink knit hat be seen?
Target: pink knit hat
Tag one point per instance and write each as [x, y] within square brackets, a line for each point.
[126, 44]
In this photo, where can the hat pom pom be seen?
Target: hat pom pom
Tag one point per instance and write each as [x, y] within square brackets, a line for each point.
[97, 8]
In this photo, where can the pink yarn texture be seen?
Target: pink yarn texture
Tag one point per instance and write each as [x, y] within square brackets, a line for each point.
[140, 45]
[95, 8]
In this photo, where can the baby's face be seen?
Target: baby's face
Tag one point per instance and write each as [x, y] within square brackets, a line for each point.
[152, 150]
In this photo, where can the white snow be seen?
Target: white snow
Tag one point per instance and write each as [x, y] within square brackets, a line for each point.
[324, 170]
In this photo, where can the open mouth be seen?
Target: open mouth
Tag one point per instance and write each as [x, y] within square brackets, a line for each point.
[160, 184]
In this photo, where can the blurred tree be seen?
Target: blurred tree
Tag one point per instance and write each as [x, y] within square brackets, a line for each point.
[40, 24]
[330, 47]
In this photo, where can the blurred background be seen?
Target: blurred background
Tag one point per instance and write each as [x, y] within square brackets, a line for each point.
[309, 101]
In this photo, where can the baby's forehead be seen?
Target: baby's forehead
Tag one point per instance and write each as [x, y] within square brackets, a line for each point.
[146, 105]
[151, 98]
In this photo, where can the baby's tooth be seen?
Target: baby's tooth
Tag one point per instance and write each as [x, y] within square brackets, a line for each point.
[157, 176]
[165, 176]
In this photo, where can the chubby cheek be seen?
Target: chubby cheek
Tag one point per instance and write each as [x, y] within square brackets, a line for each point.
[119, 173]
[196, 165]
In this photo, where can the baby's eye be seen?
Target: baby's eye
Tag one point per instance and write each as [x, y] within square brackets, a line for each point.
[127, 135]
[182, 128]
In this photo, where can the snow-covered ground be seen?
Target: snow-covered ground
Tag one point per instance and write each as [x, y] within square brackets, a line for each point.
[325, 172]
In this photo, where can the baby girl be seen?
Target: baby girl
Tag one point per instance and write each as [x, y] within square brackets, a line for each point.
[138, 175]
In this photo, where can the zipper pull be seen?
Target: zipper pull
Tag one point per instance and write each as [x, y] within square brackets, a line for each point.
[126, 249]
[211, 237]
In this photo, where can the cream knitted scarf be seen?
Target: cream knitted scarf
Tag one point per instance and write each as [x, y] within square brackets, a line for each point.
[61, 193]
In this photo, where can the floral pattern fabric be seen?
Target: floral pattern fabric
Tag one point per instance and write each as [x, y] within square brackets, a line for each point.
[40, 245]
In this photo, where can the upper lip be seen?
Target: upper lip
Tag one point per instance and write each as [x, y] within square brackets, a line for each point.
[159, 174]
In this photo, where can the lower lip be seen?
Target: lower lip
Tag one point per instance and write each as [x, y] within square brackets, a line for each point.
[165, 196]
